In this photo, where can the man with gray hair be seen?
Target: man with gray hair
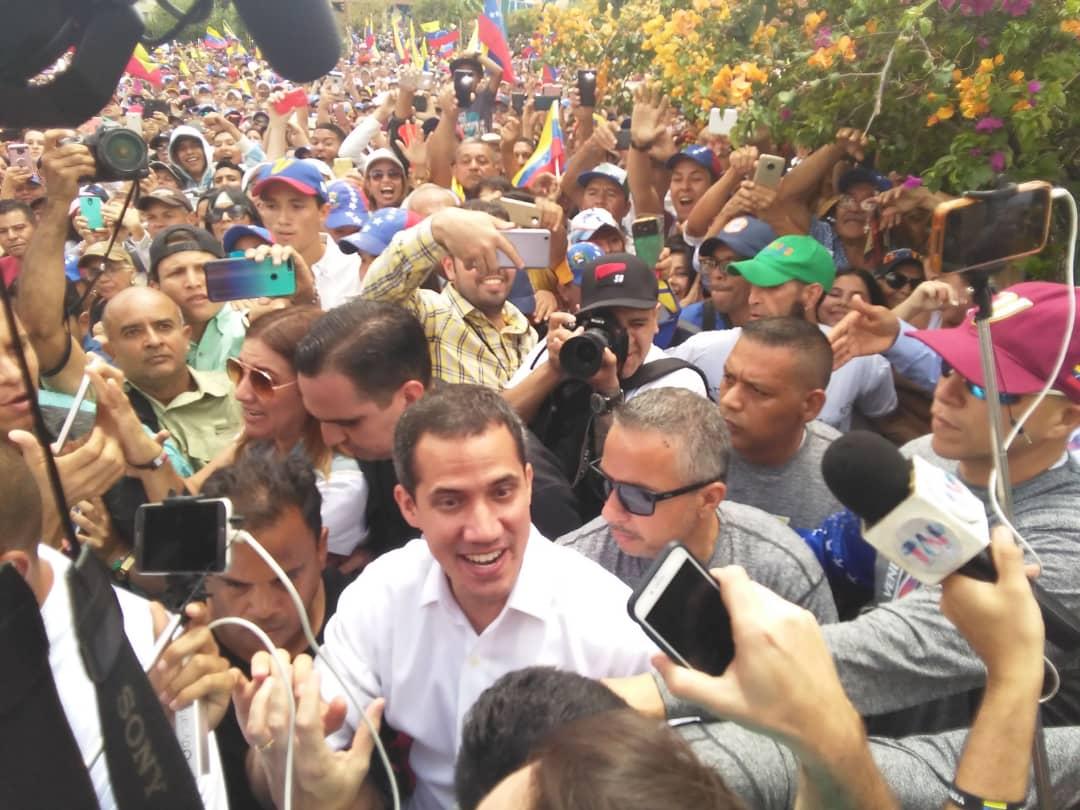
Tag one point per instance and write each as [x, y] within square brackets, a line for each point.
[664, 468]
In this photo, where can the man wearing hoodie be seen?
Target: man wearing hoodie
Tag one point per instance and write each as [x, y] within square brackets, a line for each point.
[192, 156]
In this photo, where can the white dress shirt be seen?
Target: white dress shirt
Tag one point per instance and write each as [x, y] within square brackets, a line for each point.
[337, 274]
[76, 690]
[399, 633]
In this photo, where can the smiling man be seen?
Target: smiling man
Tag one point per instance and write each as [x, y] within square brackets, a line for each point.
[429, 626]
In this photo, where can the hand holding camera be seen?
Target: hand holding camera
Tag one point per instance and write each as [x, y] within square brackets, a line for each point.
[63, 165]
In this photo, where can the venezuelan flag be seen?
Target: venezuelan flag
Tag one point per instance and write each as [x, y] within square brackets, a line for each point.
[430, 27]
[492, 30]
[550, 153]
[549, 75]
[142, 67]
[214, 39]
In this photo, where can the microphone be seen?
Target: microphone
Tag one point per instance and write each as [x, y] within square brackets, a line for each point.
[298, 37]
[925, 520]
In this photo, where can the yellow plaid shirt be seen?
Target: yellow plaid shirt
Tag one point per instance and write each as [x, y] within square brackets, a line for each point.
[465, 346]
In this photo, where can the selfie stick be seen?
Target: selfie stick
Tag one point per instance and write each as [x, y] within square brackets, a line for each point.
[1000, 490]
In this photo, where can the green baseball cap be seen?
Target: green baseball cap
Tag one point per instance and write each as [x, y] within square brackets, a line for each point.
[789, 258]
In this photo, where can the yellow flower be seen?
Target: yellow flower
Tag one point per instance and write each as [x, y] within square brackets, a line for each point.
[946, 112]
[985, 66]
[821, 58]
[812, 20]
[932, 96]
[846, 48]
[999, 59]
[1021, 105]
[1071, 27]
[871, 26]
[957, 74]
[933, 120]
[1016, 76]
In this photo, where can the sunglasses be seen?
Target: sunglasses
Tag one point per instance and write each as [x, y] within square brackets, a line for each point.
[261, 382]
[378, 174]
[978, 391]
[638, 500]
[898, 281]
[233, 212]
[709, 264]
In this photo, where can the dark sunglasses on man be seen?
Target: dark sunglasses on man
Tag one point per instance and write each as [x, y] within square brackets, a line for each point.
[233, 212]
[638, 500]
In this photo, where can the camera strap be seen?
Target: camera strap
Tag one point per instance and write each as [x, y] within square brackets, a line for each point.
[37, 744]
[146, 765]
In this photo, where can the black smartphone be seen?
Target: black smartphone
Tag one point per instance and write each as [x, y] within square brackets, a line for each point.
[517, 102]
[464, 87]
[622, 140]
[155, 105]
[182, 536]
[420, 103]
[679, 606]
[586, 85]
[543, 103]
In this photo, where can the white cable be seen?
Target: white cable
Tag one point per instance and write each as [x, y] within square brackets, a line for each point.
[1070, 281]
[286, 682]
[245, 537]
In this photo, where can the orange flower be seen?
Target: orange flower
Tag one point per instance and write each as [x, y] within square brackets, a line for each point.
[1016, 76]
[985, 66]
[999, 59]
[846, 48]
[957, 74]
[1021, 105]
[821, 58]
[1071, 27]
[812, 20]
[945, 112]
[933, 120]
[871, 26]
[932, 96]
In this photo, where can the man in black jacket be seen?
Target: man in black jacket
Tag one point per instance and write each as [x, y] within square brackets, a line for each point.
[360, 367]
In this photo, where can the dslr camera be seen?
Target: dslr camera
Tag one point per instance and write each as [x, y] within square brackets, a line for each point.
[119, 154]
[582, 355]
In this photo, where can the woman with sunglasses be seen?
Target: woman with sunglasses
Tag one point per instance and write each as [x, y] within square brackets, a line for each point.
[229, 206]
[901, 271]
[272, 410]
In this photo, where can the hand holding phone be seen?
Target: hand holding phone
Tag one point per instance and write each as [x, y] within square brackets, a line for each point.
[90, 208]
[290, 101]
[18, 154]
[769, 171]
[648, 239]
[586, 85]
[185, 535]
[238, 278]
[464, 88]
[533, 245]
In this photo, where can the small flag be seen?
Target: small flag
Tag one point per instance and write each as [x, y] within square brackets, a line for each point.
[430, 27]
[214, 39]
[549, 75]
[492, 31]
[142, 67]
[550, 153]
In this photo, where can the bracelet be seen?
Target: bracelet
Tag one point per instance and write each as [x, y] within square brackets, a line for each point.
[641, 147]
[969, 801]
[154, 464]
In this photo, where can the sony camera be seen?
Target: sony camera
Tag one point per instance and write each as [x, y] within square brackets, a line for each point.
[120, 154]
[582, 355]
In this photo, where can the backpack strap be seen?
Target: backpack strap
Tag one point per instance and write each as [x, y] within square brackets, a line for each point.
[651, 372]
[708, 316]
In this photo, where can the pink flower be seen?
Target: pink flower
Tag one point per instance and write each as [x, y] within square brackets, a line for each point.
[912, 181]
[823, 39]
[785, 114]
[1017, 8]
[1034, 87]
[997, 161]
[983, 42]
[989, 124]
[976, 152]
[948, 5]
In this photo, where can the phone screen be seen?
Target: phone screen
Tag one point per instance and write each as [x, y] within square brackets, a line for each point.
[90, 208]
[587, 87]
[690, 617]
[993, 230]
[464, 81]
[237, 278]
[181, 538]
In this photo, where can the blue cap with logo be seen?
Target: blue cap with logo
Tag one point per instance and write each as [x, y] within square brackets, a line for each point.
[238, 232]
[605, 171]
[347, 206]
[300, 175]
[377, 232]
[701, 155]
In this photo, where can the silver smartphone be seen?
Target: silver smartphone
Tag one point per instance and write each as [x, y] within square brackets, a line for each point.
[533, 246]
[769, 171]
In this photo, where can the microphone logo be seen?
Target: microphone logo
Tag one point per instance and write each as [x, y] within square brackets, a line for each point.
[927, 546]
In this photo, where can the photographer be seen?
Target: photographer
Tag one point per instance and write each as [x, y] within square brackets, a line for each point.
[570, 410]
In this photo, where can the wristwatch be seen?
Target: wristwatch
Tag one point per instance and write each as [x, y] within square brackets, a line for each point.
[121, 569]
[155, 464]
[602, 404]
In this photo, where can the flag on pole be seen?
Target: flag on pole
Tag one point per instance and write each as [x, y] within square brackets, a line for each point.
[474, 40]
[399, 49]
[549, 75]
[430, 27]
[550, 153]
[142, 67]
[443, 42]
[492, 31]
[417, 57]
[214, 39]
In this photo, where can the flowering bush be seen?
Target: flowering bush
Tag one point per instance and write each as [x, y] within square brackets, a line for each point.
[968, 88]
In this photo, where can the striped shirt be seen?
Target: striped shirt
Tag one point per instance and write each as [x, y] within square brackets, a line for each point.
[465, 346]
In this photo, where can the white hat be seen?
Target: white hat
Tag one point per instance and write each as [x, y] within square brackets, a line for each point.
[383, 154]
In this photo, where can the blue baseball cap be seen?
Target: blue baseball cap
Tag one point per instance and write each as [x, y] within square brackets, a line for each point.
[377, 232]
[347, 206]
[606, 171]
[701, 155]
[583, 226]
[300, 175]
[578, 257]
[862, 174]
[746, 236]
[238, 232]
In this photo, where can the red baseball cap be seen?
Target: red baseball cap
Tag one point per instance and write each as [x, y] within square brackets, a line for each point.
[1027, 327]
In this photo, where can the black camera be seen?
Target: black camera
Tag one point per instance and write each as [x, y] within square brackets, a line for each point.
[582, 355]
[119, 154]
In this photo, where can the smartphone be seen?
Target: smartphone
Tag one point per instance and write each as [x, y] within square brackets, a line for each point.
[155, 105]
[586, 85]
[517, 102]
[533, 246]
[341, 117]
[721, 122]
[522, 214]
[236, 278]
[19, 155]
[464, 84]
[133, 120]
[648, 239]
[342, 166]
[62, 412]
[182, 536]
[543, 103]
[420, 103]
[969, 234]
[769, 171]
[90, 208]
[622, 140]
[552, 90]
[290, 101]
[679, 606]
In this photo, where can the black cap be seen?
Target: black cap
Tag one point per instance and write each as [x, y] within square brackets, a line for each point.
[178, 238]
[861, 174]
[618, 280]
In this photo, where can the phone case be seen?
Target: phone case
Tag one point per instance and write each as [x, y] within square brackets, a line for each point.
[90, 208]
[647, 246]
[236, 279]
[769, 171]
[532, 244]
[407, 133]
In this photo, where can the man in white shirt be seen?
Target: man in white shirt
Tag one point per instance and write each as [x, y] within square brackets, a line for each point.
[428, 627]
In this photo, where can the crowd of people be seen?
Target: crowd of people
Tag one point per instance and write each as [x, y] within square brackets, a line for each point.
[464, 473]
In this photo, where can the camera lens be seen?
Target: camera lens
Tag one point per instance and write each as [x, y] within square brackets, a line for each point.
[582, 355]
[122, 151]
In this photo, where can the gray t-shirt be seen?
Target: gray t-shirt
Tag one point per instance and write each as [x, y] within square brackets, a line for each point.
[794, 492]
[904, 653]
[772, 555]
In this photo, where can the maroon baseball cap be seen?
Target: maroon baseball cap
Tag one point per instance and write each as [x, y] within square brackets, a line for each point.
[1027, 328]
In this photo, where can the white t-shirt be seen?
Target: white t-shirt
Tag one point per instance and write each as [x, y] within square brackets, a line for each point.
[865, 383]
[680, 378]
[399, 633]
[76, 690]
[337, 274]
[344, 504]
